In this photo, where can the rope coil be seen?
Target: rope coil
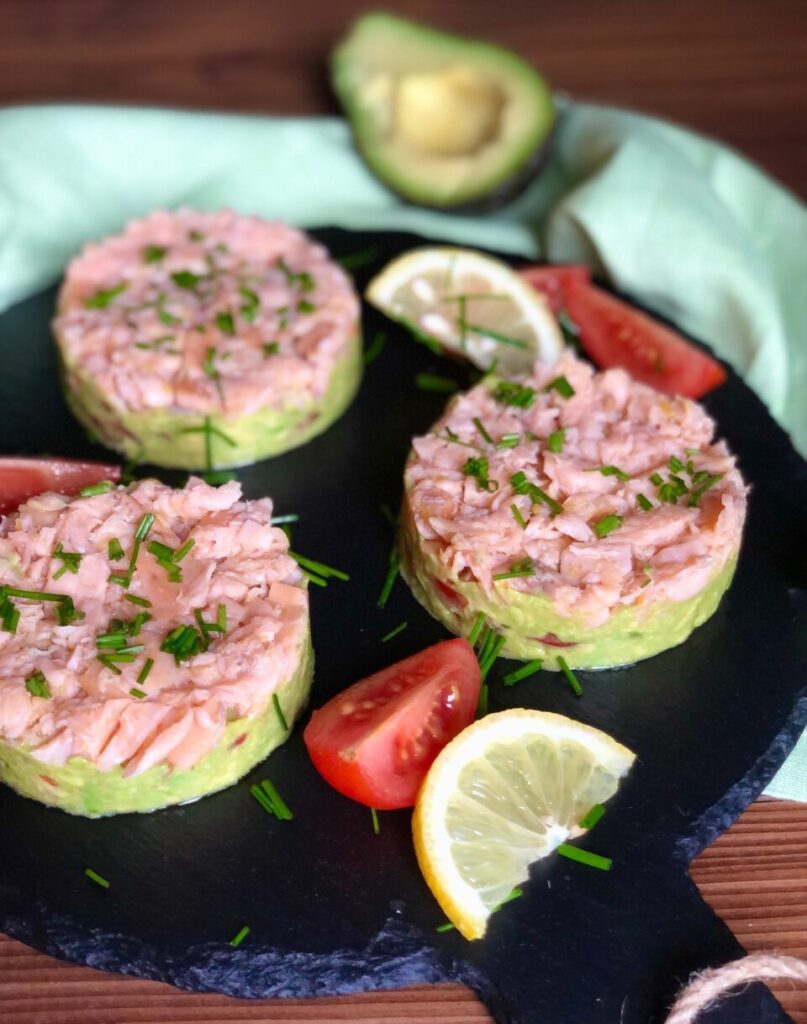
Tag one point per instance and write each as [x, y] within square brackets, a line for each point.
[712, 985]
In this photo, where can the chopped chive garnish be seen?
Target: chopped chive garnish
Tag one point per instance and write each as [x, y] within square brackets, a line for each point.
[508, 441]
[607, 525]
[676, 466]
[100, 488]
[185, 642]
[284, 725]
[304, 306]
[656, 479]
[143, 674]
[508, 392]
[522, 673]
[134, 599]
[71, 561]
[455, 439]
[570, 676]
[185, 279]
[292, 517]
[610, 471]
[250, 305]
[592, 860]
[590, 819]
[302, 278]
[33, 595]
[703, 487]
[394, 632]
[107, 662]
[482, 702]
[237, 939]
[154, 253]
[375, 348]
[115, 550]
[374, 819]
[95, 877]
[503, 339]
[360, 258]
[521, 485]
[435, 382]
[271, 348]
[480, 426]
[562, 386]
[519, 518]
[668, 493]
[478, 469]
[389, 581]
[138, 694]
[103, 298]
[313, 578]
[524, 567]
[260, 797]
[279, 807]
[180, 553]
[144, 526]
[225, 323]
[37, 685]
[490, 652]
[446, 927]
[692, 451]
[644, 503]
[569, 329]
[556, 441]
[476, 629]
[322, 570]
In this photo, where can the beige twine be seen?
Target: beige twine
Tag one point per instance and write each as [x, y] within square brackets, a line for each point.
[710, 986]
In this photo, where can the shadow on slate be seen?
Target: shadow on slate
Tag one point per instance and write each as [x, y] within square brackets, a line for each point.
[332, 907]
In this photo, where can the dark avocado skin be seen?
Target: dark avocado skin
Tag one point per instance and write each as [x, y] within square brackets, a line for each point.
[523, 154]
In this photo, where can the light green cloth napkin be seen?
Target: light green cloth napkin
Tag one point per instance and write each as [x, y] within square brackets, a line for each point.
[679, 221]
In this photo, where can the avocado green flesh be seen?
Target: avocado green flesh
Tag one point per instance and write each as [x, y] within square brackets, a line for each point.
[630, 634]
[161, 436]
[368, 66]
[78, 787]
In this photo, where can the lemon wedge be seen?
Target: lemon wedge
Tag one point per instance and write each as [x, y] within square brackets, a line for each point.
[471, 305]
[505, 792]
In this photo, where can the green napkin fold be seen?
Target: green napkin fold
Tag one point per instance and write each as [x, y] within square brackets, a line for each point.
[679, 221]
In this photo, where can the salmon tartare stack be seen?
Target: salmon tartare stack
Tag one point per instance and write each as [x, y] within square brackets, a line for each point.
[154, 644]
[207, 340]
[583, 516]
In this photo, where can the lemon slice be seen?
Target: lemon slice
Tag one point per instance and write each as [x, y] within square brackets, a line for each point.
[470, 304]
[504, 793]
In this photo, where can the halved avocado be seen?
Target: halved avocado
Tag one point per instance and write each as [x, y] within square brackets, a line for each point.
[442, 120]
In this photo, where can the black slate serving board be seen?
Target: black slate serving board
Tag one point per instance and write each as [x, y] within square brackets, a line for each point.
[333, 907]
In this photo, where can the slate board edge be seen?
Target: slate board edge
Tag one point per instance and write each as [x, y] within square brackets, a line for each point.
[398, 956]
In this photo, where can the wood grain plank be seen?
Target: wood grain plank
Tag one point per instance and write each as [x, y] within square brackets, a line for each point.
[734, 71]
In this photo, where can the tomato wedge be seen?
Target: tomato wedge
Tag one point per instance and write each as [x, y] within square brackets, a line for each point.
[21, 479]
[556, 281]
[375, 741]
[615, 334]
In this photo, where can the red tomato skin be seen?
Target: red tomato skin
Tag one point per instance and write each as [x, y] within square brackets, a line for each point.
[615, 334]
[21, 478]
[555, 282]
[379, 756]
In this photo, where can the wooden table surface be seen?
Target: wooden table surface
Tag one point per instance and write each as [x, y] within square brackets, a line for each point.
[732, 70]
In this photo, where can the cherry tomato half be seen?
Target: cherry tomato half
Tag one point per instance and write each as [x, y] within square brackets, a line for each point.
[375, 741]
[21, 479]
